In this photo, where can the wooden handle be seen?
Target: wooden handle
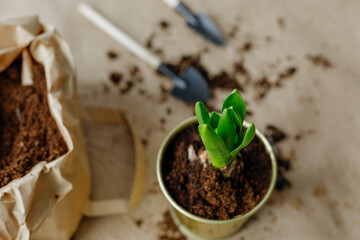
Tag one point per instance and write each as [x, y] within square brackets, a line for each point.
[96, 18]
[172, 3]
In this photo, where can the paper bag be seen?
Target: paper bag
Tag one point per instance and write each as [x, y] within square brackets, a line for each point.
[47, 202]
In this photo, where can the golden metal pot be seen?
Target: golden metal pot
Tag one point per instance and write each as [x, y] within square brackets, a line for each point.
[201, 228]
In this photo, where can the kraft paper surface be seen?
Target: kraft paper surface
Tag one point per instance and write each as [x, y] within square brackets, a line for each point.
[318, 107]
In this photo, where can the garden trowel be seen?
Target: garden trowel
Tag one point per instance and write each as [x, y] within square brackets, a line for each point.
[189, 86]
[201, 23]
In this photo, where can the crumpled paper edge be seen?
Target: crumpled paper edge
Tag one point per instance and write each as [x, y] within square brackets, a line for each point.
[48, 201]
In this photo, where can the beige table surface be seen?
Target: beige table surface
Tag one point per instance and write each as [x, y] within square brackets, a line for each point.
[323, 202]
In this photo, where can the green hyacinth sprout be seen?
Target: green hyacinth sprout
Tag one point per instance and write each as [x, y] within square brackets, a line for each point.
[222, 134]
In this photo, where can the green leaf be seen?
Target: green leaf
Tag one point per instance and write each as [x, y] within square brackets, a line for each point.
[236, 118]
[239, 139]
[245, 139]
[235, 100]
[227, 129]
[201, 113]
[214, 120]
[218, 152]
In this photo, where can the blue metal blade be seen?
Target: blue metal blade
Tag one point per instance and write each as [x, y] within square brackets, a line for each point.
[202, 24]
[190, 86]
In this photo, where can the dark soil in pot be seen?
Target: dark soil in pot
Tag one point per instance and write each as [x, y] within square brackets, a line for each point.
[202, 190]
[28, 132]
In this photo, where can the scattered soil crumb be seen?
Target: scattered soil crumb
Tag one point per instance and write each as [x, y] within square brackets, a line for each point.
[139, 222]
[333, 203]
[149, 41]
[205, 50]
[164, 24]
[142, 92]
[127, 88]
[112, 55]
[319, 60]
[223, 79]
[116, 77]
[249, 113]
[106, 89]
[281, 23]
[338, 222]
[134, 71]
[150, 45]
[306, 99]
[159, 51]
[248, 46]
[267, 229]
[153, 191]
[296, 202]
[288, 73]
[144, 141]
[135, 74]
[168, 110]
[268, 39]
[162, 120]
[320, 191]
[349, 205]
[163, 93]
[311, 131]
[282, 182]
[262, 87]
[298, 136]
[234, 30]
[168, 229]
[275, 135]
[272, 216]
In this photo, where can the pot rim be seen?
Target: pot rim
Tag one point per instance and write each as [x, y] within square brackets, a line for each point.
[159, 174]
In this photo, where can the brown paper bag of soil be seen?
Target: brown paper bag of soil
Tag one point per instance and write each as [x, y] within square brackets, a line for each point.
[47, 202]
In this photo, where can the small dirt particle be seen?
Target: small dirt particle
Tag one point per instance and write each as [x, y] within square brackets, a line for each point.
[112, 55]
[288, 73]
[128, 86]
[234, 30]
[139, 222]
[262, 87]
[142, 92]
[106, 89]
[149, 41]
[248, 46]
[144, 141]
[116, 77]
[281, 23]
[320, 191]
[168, 229]
[164, 24]
[319, 60]
[298, 136]
[275, 133]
